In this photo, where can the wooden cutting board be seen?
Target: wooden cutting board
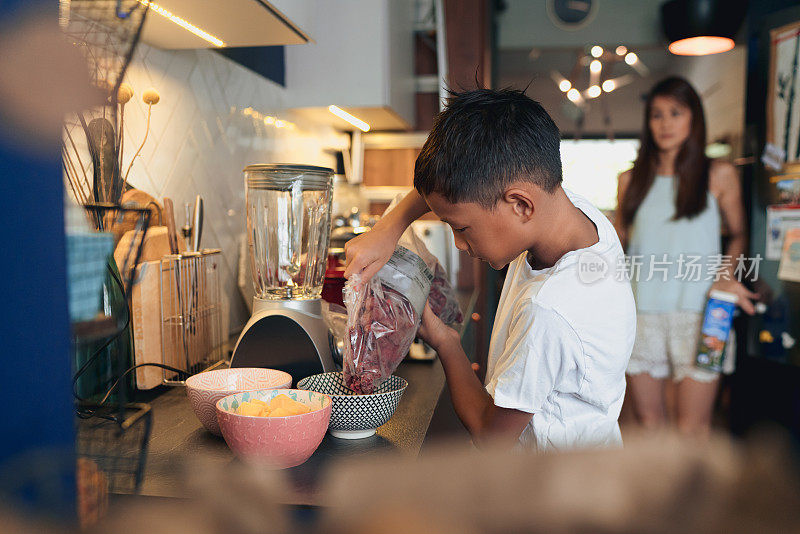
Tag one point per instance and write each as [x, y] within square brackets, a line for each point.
[146, 319]
[153, 343]
[128, 222]
[156, 245]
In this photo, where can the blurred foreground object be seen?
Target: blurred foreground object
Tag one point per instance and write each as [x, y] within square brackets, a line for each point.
[41, 79]
[106, 33]
[658, 483]
[238, 498]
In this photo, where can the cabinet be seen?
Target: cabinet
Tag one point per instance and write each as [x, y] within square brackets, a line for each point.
[181, 24]
[361, 60]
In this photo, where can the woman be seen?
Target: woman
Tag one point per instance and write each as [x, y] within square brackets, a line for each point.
[672, 205]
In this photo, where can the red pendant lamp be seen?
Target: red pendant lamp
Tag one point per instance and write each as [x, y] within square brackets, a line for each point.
[702, 27]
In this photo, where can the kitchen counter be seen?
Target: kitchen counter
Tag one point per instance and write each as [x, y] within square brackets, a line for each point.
[178, 440]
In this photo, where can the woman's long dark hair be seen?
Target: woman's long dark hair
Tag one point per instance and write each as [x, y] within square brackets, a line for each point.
[691, 163]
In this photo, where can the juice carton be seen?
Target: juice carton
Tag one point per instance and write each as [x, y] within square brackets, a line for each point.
[717, 322]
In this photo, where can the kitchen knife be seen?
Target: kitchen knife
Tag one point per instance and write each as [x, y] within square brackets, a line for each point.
[186, 229]
[107, 185]
[197, 230]
[169, 221]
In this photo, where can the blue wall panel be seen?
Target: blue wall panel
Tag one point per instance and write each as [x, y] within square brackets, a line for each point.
[34, 322]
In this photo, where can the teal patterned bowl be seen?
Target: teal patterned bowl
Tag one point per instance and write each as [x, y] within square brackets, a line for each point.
[278, 441]
[356, 416]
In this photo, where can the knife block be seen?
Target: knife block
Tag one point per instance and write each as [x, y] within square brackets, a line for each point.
[177, 316]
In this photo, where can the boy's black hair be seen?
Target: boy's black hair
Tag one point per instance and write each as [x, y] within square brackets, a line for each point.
[485, 140]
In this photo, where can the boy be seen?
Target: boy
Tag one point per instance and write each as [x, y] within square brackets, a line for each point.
[565, 322]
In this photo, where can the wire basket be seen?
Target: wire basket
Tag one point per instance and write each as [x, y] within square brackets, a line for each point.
[191, 318]
[116, 441]
[106, 32]
[116, 219]
[93, 317]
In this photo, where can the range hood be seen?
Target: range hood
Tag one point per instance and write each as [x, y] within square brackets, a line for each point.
[183, 24]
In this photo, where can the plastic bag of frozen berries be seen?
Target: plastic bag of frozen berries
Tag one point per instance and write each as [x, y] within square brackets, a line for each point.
[442, 296]
[383, 316]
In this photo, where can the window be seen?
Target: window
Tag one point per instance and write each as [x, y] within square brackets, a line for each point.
[591, 167]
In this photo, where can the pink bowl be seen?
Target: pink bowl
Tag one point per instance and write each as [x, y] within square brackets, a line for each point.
[277, 441]
[205, 389]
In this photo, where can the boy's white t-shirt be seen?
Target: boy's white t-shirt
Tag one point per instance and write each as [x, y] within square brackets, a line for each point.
[561, 342]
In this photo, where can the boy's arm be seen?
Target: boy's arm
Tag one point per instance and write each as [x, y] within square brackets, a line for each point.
[370, 251]
[473, 405]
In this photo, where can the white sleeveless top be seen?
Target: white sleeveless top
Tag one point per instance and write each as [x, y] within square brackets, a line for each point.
[672, 262]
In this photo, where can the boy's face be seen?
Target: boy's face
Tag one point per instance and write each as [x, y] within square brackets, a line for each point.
[490, 235]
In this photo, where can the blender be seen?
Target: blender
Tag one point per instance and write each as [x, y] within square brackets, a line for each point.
[288, 232]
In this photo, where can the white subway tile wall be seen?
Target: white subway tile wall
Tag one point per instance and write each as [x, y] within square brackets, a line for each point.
[214, 118]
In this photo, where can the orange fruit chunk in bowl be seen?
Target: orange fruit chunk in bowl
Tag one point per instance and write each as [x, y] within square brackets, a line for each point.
[249, 408]
[280, 406]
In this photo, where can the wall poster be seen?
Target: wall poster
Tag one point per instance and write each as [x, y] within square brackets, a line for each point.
[783, 101]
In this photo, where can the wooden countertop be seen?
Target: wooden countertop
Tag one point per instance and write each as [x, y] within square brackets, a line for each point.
[178, 440]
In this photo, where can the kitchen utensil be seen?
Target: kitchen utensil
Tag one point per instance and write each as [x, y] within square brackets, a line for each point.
[280, 441]
[288, 229]
[197, 225]
[191, 311]
[186, 229]
[169, 220]
[288, 221]
[105, 166]
[356, 416]
[175, 303]
[205, 389]
[195, 234]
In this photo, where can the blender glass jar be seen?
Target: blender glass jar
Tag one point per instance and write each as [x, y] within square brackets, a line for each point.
[288, 229]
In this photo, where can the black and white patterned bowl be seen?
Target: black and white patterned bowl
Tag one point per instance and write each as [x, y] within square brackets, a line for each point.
[356, 416]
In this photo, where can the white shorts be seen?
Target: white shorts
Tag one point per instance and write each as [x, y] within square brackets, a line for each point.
[666, 346]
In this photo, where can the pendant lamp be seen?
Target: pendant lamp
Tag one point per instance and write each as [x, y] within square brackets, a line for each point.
[702, 27]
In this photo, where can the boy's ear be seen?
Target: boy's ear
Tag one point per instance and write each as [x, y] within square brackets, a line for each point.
[521, 202]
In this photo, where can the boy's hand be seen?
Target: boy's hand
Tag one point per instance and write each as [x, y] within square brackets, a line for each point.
[367, 253]
[434, 332]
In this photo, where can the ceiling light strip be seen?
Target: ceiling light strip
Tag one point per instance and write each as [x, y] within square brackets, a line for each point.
[355, 121]
[183, 23]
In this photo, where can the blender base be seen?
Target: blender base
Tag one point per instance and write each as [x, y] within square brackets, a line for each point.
[289, 335]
